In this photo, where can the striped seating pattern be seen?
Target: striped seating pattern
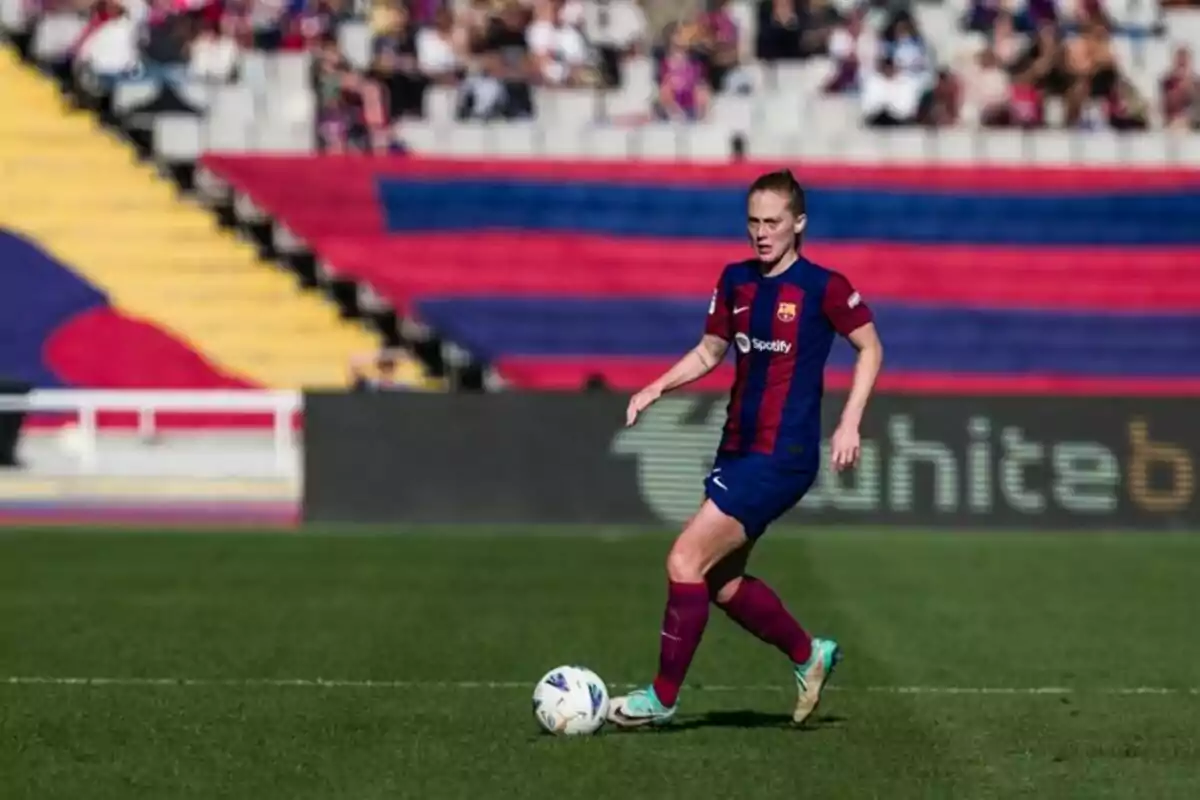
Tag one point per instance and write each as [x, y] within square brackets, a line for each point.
[991, 279]
[61, 331]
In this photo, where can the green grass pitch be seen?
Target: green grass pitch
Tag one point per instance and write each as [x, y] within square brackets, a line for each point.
[978, 666]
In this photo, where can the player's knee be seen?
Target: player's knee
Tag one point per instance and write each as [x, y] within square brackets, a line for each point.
[684, 565]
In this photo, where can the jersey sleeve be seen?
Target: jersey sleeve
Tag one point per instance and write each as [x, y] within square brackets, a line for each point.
[720, 321]
[844, 307]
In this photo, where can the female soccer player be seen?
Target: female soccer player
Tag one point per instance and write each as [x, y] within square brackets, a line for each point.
[781, 312]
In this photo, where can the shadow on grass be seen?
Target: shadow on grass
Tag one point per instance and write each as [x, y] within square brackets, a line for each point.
[744, 720]
[749, 719]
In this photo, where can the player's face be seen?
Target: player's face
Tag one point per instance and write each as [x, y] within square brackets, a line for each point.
[772, 226]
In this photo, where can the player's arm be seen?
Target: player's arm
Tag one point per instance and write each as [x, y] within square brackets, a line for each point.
[697, 362]
[866, 369]
[851, 318]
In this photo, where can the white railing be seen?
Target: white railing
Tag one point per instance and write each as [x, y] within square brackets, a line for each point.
[147, 404]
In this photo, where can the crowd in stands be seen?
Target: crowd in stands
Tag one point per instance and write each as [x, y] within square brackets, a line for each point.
[1018, 60]
[1030, 58]
[893, 70]
[1015, 63]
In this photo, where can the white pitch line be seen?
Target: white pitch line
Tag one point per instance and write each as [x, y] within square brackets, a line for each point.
[324, 683]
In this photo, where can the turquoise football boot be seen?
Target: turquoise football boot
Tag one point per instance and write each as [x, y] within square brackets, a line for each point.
[812, 675]
[639, 708]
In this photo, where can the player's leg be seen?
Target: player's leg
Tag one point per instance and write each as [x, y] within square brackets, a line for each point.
[724, 579]
[755, 606]
[706, 541]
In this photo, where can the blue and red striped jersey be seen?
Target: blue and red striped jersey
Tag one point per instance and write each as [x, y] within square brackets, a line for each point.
[782, 329]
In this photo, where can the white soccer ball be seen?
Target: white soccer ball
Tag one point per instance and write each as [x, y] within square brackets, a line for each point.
[570, 701]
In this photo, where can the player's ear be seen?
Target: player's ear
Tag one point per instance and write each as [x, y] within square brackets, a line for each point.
[801, 222]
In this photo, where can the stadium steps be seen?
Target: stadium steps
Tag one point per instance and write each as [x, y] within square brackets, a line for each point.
[80, 193]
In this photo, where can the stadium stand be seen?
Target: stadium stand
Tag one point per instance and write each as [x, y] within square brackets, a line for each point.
[322, 78]
[62, 331]
[121, 284]
[970, 97]
[557, 272]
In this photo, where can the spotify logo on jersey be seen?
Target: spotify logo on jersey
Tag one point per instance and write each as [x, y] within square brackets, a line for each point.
[745, 344]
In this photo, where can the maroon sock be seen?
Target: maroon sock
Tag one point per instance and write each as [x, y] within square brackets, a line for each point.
[682, 628]
[759, 610]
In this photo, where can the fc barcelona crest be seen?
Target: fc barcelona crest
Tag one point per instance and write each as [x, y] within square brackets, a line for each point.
[786, 312]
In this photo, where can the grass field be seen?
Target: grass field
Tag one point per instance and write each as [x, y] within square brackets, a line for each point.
[977, 666]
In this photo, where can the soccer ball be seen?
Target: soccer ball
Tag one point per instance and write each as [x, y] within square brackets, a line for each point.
[571, 701]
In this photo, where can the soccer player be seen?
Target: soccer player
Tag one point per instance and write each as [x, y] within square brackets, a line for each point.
[781, 312]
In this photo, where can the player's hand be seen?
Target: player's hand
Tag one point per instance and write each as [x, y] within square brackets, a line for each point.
[640, 402]
[846, 447]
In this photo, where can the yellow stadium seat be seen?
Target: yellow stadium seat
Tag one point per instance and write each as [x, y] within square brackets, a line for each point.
[79, 193]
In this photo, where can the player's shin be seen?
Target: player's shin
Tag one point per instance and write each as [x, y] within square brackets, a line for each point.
[683, 626]
[757, 608]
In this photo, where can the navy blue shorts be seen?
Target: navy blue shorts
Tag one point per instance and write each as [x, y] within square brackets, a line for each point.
[755, 490]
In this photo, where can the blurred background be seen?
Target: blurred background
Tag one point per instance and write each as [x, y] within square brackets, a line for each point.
[210, 207]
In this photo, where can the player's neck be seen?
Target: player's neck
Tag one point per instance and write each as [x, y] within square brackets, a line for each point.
[781, 266]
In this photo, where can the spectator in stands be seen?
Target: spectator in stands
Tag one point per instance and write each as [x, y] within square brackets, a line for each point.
[1093, 68]
[1086, 12]
[99, 14]
[912, 59]
[1005, 41]
[318, 18]
[780, 31]
[500, 83]
[941, 107]
[616, 30]
[850, 45]
[1041, 12]
[107, 49]
[683, 92]
[1127, 109]
[385, 377]
[394, 62]
[477, 20]
[986, 91]
[558, 49]
[382, 17]
[442, 49]
[269, 24]
[719, 45]
[350, 108]
[825, 16]
[907, 49]
[1040, 71]
[981, 15]
[890, 97]
[425, 12]
[1181, 93]
[166, 47]
[1026, 103]
[214, 57]
[230, 22]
